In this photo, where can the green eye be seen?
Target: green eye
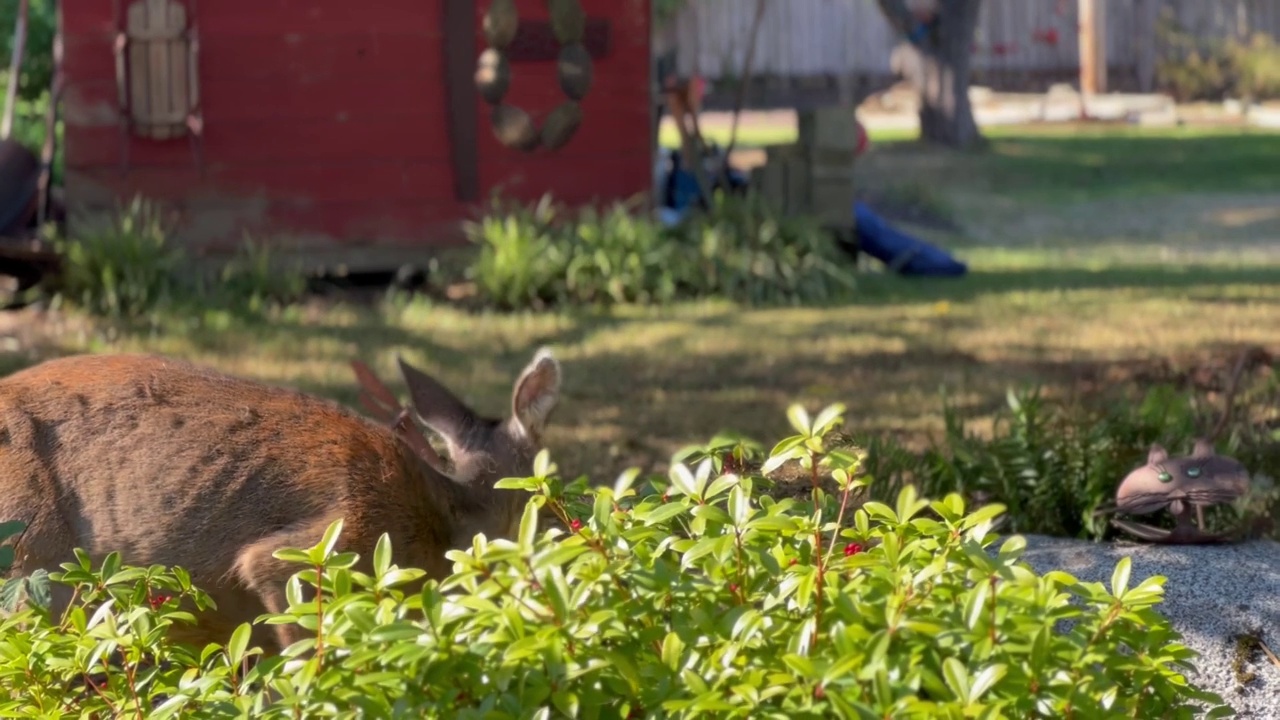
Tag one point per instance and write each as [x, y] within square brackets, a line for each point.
[1193, 472]
[1165, 477]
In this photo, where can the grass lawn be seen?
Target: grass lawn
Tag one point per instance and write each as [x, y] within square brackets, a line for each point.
[1093, 257]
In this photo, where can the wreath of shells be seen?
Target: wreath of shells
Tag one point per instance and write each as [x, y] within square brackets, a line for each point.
[513, 126]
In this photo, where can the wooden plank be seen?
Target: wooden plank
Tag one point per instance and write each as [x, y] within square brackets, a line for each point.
[371, 222]
[182, 94]
[461, 96]
[608, 128]
[139, 67]
[303, 18]
[574, 180]
[345, 98]
[323, 182]
[1092, 39]
[409, 138]
[86, 18]
[158, 83]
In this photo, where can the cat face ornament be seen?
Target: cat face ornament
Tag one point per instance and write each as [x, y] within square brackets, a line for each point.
[1183, 485]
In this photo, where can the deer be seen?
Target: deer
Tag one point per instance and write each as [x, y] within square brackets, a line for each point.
[171, 463]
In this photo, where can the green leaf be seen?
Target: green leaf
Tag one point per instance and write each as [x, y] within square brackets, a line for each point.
[1120, 577]
[722, 483]
[662, 513]
[110, 566]
[984, 681]
[957, 677]
[976, 604]
[516, 483]
[382, 555]
[829, 416]
[542, 465]
[772, 523]
[982, 515]
[238, 644]
[11, 528]
[799, 419]
[703, 547]
[324, 549]
[682, 480]
[739, 506]
[880, 510]
[672, 648]
[528, 528]
[625, 481]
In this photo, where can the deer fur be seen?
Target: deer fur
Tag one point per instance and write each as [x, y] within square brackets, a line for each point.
[170, 463]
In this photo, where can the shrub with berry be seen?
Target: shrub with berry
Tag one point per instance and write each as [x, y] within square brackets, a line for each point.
[693, 594]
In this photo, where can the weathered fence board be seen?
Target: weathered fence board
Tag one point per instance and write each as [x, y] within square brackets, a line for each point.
[808, 38]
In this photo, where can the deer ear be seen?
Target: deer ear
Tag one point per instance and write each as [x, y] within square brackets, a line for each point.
[1203, 448]
[438, 408]
[536, 393]
[1157, 454]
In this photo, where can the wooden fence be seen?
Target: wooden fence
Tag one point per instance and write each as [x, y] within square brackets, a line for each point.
[833, 38]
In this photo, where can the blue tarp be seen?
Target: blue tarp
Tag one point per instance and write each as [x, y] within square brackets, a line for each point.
[903, 253]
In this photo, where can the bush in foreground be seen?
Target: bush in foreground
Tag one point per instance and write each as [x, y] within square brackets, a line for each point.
[677, 597]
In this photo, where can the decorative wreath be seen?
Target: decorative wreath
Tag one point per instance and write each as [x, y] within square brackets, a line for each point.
[513, 126]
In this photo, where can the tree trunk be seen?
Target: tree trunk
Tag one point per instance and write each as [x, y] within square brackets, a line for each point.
[934, 58]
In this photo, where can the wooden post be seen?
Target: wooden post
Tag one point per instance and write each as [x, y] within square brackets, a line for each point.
[1093, 47]
[44, 184]
[15, 69]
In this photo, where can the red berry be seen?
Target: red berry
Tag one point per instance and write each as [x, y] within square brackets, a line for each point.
[733, 587]
[575, 524]
[819, 692]
[852, 549]
[157, 600]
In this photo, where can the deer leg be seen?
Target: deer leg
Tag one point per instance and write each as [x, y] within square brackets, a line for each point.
[267, 577]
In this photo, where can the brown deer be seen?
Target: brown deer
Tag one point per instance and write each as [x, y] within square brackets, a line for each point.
[170, 463]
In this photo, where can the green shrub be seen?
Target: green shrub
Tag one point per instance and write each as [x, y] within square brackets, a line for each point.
[748, 253]
[123, 267]
[37, 61]
[541, 254]
[1192, 67]
[678, 597]
[127, 267]
[1054, 465]
[252, 278]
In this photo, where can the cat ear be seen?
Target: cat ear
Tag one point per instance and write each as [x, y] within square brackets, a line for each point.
[1157, 454]
[1203, 448]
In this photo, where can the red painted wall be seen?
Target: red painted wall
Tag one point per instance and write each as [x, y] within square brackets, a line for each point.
[326, 120]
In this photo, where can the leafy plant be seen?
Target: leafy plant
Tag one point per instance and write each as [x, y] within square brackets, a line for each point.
[748, 253]
[37, 61]
[251, 277]
[540, 255]
[1194, 67]
[680, 596]
[125, 267]
[1055, 465]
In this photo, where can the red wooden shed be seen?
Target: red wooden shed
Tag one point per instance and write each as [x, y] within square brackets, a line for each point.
[349, 132]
